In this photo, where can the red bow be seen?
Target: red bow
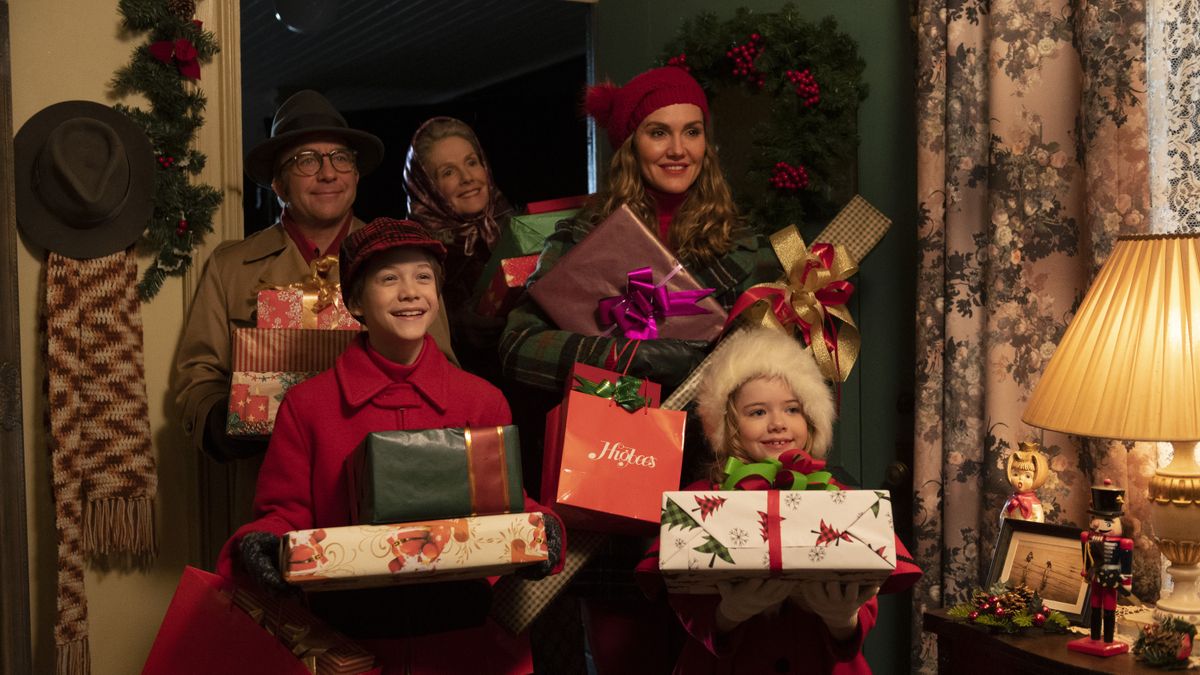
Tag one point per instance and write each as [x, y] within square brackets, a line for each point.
[181, 52]
[1024, 501]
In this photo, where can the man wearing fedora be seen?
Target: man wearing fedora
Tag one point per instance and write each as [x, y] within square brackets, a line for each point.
[312, 161]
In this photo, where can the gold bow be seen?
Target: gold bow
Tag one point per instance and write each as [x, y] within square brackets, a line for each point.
[320, 289]
[813, 291]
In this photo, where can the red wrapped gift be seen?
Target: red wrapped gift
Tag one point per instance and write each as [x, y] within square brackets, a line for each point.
[207, 631]
[506, 286]
[605, 467]
[621, 280]
[313, 302]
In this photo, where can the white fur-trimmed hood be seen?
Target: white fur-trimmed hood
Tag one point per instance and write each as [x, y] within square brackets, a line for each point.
[763, 352]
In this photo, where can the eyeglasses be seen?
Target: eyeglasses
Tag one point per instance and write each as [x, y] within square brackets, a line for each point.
[309, 162]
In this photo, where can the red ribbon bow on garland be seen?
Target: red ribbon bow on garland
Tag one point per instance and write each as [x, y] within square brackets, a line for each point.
[181, 52]
[813, 293]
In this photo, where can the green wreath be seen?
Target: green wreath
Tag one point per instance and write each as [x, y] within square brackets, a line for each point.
[801, 162]
[160, 71]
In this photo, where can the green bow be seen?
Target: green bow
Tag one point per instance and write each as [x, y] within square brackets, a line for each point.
[798, 472]
[624, 391]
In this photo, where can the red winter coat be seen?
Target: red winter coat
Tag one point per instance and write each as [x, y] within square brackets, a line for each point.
[302, 483]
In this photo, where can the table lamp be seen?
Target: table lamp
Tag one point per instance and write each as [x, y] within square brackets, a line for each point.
[1128, 368]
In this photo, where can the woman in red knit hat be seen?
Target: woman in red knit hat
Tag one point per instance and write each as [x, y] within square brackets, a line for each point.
[392, 377]
[665, 169]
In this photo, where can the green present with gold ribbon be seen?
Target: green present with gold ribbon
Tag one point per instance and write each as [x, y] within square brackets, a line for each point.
[402, 476]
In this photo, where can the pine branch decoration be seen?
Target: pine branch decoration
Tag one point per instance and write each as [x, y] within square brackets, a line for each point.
[183, 209]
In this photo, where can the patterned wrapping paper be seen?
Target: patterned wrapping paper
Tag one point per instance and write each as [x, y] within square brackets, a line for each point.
[507, 285]
[321, 649]
[599, 267]
[266, 363]
[370, 556]
[517, 602]
[293, 308]
[710, 536]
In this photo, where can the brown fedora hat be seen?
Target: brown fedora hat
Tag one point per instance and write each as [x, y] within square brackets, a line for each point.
[307, 113]
[84, 176]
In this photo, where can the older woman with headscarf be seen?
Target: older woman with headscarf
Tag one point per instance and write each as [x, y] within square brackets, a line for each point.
[451, 192]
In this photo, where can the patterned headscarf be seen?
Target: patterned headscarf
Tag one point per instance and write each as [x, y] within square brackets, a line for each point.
[427, 205]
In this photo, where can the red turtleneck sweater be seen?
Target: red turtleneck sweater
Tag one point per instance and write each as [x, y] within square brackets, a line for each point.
[666, 205]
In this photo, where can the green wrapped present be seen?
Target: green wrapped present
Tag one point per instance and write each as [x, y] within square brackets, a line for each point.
[403, 476]
[524, 235]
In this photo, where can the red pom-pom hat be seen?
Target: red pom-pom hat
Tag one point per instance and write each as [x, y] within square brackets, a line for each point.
[621, 109]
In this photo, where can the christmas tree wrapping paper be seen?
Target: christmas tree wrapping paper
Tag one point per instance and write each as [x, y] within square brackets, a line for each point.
[712, 536]
[266, 363]
[507, 285]
[370, 556]
[400, 476]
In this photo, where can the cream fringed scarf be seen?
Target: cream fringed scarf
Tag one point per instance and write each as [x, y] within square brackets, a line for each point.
[102, 460]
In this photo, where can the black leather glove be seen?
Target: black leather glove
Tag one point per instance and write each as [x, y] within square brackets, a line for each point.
[554, 546]
[259, 554]
[221, 446]
[667, 361]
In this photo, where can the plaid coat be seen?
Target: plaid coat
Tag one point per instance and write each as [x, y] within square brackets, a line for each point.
[534, 352]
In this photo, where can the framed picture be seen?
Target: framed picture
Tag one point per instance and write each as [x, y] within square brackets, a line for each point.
[1046, 558]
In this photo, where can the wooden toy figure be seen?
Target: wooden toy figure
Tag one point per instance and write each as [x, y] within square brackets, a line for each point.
[1027, 470]
[1108, 566]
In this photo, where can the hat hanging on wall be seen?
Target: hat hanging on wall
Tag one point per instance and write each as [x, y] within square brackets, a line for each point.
[84, 179]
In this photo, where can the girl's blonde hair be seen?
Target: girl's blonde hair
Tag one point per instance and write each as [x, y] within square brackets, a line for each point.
[705, 225]
[733, 444]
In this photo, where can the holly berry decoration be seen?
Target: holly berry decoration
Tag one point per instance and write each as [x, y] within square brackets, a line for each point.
[1165, 645]
[743, 57]
[166, 161]
[1039, 619]
[181, 228]
[789, 178]
[1011, 610]
[679, 61]
[806, 86]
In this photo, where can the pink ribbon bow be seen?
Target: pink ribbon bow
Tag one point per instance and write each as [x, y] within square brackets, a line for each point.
[644, 303]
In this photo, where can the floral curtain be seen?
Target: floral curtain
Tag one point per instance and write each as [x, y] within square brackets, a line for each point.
[1032, 157]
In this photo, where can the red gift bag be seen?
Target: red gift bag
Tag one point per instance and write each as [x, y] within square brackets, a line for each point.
[606, 467]
[204, 632]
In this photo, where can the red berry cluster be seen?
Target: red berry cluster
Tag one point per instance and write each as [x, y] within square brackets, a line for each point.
[166, 161]
[181, 228]
[743, 57]
[806, 86]
[679, 62]
[788, 177]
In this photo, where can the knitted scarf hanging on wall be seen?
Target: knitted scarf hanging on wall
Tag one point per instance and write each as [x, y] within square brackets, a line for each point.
[102, 460]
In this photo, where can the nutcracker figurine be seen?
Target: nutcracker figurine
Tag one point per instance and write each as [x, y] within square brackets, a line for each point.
[1027, 470]
[1108, 566]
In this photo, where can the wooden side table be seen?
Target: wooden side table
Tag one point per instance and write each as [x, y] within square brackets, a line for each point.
[963, 648]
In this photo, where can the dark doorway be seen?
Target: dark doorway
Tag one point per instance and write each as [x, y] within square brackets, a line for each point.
[512, 69]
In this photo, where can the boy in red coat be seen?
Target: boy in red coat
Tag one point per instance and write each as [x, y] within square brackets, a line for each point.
[393, 377]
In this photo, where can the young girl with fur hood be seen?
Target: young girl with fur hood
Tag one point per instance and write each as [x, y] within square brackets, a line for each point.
[761, 397]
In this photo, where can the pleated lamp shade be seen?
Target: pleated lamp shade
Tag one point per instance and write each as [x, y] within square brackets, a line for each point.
[1128, 366]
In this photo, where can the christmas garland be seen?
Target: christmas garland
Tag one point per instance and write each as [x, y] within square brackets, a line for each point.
[1010, 610]
[164, 71]
[809, 76]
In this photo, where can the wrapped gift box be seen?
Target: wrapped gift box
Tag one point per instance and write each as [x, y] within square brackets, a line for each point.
[711, 536]
[402, 476]
[605, 468]
[321, 649]
[266, 363]
[366, 556]
[524, 236]
[296, 308]
[507, 285]
[609, 264]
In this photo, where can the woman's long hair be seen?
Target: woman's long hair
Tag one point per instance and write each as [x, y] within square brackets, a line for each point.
[705, 224]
